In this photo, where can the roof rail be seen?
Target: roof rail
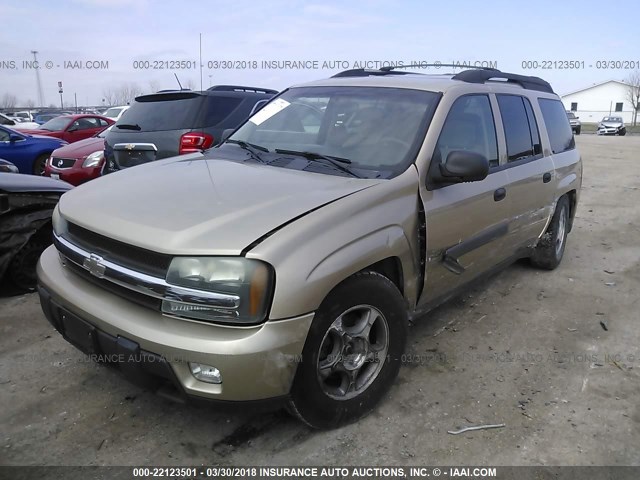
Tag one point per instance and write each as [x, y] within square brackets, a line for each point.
[481, 76]
[239, 88]
[361, 72]
[471, 74]
[436, 65]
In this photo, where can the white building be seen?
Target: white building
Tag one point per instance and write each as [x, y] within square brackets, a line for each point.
[592, 103]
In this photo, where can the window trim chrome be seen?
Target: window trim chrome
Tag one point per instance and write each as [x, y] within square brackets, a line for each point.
[142, 283]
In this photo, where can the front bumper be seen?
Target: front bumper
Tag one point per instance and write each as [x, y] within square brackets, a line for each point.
[256, 363]
[74, 175]
[609, 130]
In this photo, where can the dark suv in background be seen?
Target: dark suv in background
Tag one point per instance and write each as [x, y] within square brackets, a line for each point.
[166, 124]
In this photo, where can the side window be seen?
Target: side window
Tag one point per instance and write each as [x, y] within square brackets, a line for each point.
[85, 123]
[469, 126]
[533, 127]
[4, 136]
[516, 127]
[557, 124]
[103, 123]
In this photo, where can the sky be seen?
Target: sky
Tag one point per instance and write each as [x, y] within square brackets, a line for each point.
[325, 35]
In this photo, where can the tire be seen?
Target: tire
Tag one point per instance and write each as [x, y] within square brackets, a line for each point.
[39, 164]
[578, 131]
[622, 132]
[22, 269]
[344, 373]
[550, 248]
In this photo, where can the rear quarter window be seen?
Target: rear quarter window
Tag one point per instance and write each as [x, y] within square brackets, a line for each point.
[557, 123]
[216, 109]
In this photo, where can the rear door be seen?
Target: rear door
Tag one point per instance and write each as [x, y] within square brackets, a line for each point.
[530, 173]
[466, 223]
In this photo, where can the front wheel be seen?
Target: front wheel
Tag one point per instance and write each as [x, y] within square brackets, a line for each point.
[622, 132]
[550, 248]
[578, 131]
[353, 352]
[39, 164]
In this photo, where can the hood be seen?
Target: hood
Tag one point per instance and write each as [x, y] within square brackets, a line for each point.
[201, 206]
[81, 148]
[36, 132]
[610, 124]
[23, 183]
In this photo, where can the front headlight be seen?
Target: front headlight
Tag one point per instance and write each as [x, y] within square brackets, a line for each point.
[94, 159]
[58, 223]
[238, 289]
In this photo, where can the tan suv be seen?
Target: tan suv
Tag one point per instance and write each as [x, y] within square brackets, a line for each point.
[285, 264]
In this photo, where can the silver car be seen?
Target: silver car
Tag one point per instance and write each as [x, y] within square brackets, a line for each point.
[611, 126]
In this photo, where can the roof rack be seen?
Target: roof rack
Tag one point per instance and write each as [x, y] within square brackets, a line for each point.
[239, 88]
[481, 76]
[471, 74]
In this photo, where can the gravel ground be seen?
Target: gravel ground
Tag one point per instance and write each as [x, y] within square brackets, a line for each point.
[555, 356]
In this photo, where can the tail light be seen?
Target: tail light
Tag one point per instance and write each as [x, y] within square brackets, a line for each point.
[194, 142]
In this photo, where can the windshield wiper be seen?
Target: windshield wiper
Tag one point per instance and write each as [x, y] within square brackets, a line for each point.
[313, 156]
[126, 126]
[251, 148]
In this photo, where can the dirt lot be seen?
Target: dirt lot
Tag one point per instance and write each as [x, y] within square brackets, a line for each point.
[527, 349]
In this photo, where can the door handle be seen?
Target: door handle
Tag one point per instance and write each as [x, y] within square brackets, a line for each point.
[546, 178]
[499, 194]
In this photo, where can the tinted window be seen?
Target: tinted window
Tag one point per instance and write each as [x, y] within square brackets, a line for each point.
[4, 136]
[216, 109]
[557, 124]
[469, 126]
[163, 112]
[516, 127]
[533, 127]
[86, 123]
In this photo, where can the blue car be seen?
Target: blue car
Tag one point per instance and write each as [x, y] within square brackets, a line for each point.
[45, 117]
[27, 152]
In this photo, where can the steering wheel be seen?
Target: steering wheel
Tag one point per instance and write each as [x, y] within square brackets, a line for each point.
[394, 141]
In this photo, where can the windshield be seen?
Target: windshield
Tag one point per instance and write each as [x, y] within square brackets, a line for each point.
[112, 112]
[612, 119]
[373, 128]
[55, 124]
[570, 115]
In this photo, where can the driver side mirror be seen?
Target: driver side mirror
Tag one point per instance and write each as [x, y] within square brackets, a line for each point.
[14, 138]
[462, 166]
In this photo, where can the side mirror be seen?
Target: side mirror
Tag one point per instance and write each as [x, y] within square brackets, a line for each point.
[226, 134]
[14, 138]
[462, 166]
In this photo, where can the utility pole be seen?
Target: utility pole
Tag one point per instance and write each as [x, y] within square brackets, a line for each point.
[60, 92]
[39, 85]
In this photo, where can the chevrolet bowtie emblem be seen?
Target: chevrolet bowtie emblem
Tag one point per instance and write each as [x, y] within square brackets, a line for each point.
[130, 146]
[94, 265]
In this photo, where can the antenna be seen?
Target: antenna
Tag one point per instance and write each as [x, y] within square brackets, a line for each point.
[178, 80]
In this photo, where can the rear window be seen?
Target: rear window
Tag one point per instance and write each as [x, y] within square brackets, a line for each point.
[178, 112]
[557, 123]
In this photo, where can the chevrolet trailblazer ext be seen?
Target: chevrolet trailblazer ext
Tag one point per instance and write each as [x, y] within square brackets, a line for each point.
[285, 263]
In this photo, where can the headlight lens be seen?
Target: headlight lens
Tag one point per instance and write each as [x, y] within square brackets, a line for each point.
[58, 223]
[250, 280]
[94, 159]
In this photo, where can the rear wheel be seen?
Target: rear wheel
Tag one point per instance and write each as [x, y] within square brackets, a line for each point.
[578, 130]
[352, 353]
[39, 164]
[550, 249]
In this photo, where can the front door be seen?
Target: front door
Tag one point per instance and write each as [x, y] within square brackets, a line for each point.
[466, 223]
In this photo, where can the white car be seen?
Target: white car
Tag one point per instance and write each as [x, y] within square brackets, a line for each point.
[115, 113]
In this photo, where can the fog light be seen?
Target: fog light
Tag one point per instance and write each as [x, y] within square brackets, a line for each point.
[205, 373]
